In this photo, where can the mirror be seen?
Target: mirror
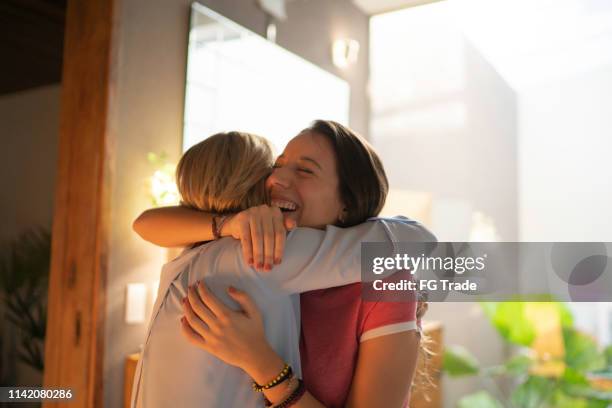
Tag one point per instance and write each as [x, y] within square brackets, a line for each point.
[237, 80]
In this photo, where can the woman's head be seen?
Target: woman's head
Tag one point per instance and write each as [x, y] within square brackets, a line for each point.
[225, 172]
[329, 175]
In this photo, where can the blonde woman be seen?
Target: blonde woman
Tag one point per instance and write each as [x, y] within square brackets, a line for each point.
[224, 175]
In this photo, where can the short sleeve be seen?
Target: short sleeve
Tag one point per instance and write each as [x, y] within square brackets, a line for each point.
[384, 318]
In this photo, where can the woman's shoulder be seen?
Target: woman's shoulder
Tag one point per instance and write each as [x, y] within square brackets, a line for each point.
[350, 292]
[369, 317]
[402, 228]
[191, 253]
[396, 218]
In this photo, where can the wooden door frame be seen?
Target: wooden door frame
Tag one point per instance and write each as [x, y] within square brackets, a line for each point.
[74, 345]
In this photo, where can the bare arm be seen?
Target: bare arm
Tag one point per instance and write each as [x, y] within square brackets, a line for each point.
[174, 226]
[261, 230]
[385, 370]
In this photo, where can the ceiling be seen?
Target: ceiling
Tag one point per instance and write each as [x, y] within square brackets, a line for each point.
[31, 43]
[371, 7]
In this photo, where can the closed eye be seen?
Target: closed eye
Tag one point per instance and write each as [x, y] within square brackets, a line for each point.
[304, 170]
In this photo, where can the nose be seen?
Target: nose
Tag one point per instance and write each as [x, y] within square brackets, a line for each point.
[280, 177]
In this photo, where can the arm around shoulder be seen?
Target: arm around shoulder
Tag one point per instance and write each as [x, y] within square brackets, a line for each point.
[321, 259]
[174, 226]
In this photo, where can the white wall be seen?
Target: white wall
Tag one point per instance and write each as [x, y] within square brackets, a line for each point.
[565, 173]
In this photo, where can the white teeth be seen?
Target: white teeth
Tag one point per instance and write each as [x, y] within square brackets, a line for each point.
[287, 205]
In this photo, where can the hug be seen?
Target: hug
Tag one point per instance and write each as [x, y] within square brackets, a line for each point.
[264, 308]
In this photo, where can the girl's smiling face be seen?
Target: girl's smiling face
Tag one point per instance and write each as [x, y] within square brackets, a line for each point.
[304, 182]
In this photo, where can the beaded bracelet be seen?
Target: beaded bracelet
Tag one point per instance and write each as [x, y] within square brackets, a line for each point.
[285, 373]
[288, 385]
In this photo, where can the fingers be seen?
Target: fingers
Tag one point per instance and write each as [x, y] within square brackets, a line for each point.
[219, 310]
[246, 243]
[245, 301]
[255, 224]
[199, 308]
[268, 243]
[191, 335]
[262, 235]
[196, 324]
[279, 237]
[289, 223]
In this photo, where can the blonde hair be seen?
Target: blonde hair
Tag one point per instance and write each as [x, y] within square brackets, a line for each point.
[225, 172]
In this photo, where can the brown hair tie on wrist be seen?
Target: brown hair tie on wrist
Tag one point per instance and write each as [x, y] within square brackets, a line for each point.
[217, 225]
[295, 396]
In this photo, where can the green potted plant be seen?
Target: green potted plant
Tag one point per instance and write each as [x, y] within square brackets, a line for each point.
[577, 369]
[24, 272]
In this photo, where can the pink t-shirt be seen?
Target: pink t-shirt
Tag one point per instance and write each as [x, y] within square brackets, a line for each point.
[334, 321]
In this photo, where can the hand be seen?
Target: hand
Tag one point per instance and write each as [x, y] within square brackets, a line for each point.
[422, 307]
[236, 337]
[262, 231]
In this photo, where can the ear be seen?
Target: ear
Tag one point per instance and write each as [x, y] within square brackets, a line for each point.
[343, 214]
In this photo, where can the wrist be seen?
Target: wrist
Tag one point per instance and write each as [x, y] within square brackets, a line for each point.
[266, 366]
[225, 229]
[220, 225]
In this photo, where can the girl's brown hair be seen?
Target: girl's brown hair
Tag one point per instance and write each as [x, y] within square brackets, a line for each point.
[363, 184]
[225, 173]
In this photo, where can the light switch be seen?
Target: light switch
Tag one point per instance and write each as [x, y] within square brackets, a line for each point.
[136, 303]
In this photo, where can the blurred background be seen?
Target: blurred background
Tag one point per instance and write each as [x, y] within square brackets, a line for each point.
[493, 119]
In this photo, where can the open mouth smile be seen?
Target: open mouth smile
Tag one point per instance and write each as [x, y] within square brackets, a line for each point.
[284, 205]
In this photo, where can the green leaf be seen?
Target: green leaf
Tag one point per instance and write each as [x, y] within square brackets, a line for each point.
[457, 362]
[587, 392]
[152, 158]
[512, 324]
[573, 377]
[510, 321]
[567, 319]
[533, 393]
[581, 352]
[608, 355]
[489, 308]
[562, 400]
[518, 364]
[481, 399]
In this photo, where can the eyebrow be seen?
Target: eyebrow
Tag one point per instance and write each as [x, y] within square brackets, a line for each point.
[313, 161]
[304, 158]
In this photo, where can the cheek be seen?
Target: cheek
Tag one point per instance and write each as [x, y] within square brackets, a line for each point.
[332, 197]
[324, 203]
